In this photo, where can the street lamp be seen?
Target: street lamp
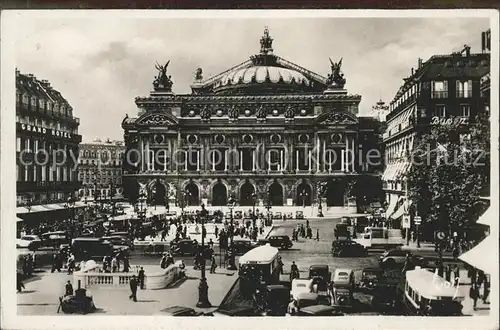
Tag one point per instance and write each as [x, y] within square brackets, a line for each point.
[268, 208]
[304, 195]
[320, 207]
[231, 265]
[203, 301]
[254, 201]
[70, 205]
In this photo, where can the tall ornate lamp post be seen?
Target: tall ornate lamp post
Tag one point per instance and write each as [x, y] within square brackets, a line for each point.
[203, 301]
[268, 208]
[231, 265]
[254, 216]
[304, 195]
[141, 210]
[70, 205]
[320, 194]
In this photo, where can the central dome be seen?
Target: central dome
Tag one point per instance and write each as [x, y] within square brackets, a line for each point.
[263, 74]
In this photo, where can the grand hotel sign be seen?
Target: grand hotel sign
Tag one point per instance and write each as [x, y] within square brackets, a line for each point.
[45, 131]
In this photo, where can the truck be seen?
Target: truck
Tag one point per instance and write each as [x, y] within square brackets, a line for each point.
[380, 237]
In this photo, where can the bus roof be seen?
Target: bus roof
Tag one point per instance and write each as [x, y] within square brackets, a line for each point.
[430, 285]
[260, 255]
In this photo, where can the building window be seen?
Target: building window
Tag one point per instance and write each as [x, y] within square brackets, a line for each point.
[440, 111]
[465, 110]
[439, 89]
[26, 99]
[464, 88]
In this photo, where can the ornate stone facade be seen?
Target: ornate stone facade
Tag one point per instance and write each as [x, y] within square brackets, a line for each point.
[266, 129]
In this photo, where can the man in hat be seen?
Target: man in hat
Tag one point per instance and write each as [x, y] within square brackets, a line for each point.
[133, 288]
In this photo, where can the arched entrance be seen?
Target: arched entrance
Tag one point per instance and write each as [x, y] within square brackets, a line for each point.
[131, 189]
[276, 194]
[219, 194]
[303, 195]
[246, 192]
[193, 194]
[158, 193]
[335, 193]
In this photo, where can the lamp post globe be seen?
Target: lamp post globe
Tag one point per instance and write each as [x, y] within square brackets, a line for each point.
[203, 301]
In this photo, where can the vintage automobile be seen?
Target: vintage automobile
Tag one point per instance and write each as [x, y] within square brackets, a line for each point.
[54, 239]
[319, 310]
[370, 277]
[241, 246]
[260, 242]
[188, 247]
[277, 215]
[119, 241]
[306, 299]
[77, 303]
[320, 276]
[299, 286]
[395, 258]
[299, 215]
[343, 285]
[32, 242]
[280, 241]
[347, 248]
[181, 311]
[273, 300]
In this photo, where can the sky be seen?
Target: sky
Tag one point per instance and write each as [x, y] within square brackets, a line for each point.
[101, 64]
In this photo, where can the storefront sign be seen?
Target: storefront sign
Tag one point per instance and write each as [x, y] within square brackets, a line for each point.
[453, 121]
[48, 131]
[406, 221]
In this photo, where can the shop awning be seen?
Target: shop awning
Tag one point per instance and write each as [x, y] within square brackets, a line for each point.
[19, 219]
[22, 210]
[53, 206]
[488, 218]
[400, 211]
[39, 208]
[476, 256]
[392, 206]
[120, 217]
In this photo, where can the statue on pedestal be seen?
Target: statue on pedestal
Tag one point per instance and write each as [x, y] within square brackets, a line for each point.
[162, 82]
[336, 78]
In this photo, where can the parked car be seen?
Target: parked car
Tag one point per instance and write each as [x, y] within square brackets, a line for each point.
[347, 248]
[119, 241]
[319, 310]
[54, 239]
[181, 311]
[242, 246]
[299, 286]
[280, 241]
[32, 242]
[396, 258]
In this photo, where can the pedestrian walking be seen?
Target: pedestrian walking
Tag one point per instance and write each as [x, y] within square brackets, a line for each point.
[71, 264]
[19, 283]
[216, 232]
[141, 278]
[474, 294]
[213, 265]
[68, 289]
[133, 288]
[114, 265]
[126, 264]
[486, 291]
[317, 235]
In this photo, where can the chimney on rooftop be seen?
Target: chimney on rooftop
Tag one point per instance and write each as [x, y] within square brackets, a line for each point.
[17, 72]
[412, 71]
[420, 63]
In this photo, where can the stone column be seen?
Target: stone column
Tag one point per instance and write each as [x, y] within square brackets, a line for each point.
[198, 160]
[148, 159]
[281, 160]
[296, 160]
[142, 153]
[346, 157]
[323, 158]
[317, 146]
[309, 159]
[353, 154]
[240, 153]
[226, 159]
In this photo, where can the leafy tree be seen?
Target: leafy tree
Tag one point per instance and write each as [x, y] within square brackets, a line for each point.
[449, 172]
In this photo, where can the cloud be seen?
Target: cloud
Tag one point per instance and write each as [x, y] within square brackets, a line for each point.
[100, 64]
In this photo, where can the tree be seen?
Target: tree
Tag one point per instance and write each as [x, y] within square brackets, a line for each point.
[449, 173]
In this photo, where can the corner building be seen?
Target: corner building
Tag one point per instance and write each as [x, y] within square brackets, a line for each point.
[47, 143]
[264, 131]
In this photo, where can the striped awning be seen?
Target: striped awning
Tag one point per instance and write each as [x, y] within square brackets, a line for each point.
[392, 206]
[22, 210]
[19, 219]
[401, 210]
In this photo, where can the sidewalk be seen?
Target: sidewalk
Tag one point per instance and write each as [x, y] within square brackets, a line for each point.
[41, 297]
[464, 287]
